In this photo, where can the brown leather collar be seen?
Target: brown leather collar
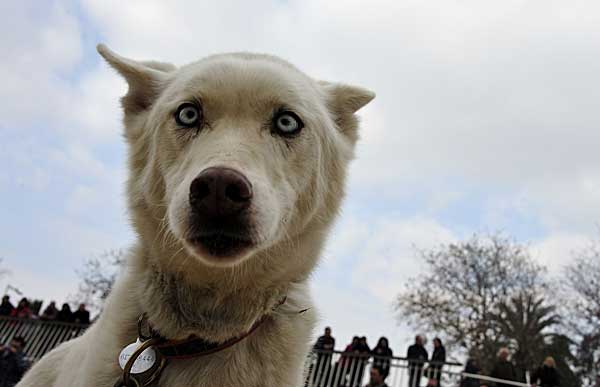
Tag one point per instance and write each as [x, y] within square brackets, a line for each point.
[176, 349]
[197, 347]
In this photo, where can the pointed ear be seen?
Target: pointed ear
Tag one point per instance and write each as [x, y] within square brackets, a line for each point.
[349, 99]
[344, 101]
[145, 79]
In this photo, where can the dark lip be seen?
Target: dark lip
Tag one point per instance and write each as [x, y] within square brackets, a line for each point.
[220, 244]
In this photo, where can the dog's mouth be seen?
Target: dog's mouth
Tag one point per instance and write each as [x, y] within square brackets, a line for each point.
[220, 239]
[219, 245]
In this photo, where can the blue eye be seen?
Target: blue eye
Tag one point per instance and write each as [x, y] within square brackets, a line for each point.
[287, 123]
[188, 114]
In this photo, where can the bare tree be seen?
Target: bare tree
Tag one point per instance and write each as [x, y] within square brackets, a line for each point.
[98, 277]
[463, 288]
[582, 282]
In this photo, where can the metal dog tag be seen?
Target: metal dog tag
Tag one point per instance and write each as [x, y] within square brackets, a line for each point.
[143, 363]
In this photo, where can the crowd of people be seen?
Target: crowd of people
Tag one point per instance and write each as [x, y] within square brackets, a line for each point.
[349, 370]
[545, 375]
[50, 313]
[13, 362]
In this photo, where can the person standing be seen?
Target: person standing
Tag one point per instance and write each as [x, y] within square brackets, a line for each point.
[50, 313]
[470, 368]
[382, 356]
[438, 358]
[417, 356]
[65, 314]
[346, 363]
[6, 307]
[504, 369]
[13, 363]
[81, 315]
[324, 348]
[364, 353]
[22, 310]
[546, 374]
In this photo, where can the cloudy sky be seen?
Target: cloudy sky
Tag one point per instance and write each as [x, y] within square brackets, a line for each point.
[486, 119]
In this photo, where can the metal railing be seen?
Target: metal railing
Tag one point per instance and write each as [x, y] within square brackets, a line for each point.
[346, 369]
[487, 379]
[323, 368]
[40, 336]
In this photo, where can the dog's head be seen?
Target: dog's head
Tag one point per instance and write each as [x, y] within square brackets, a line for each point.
[235, 153]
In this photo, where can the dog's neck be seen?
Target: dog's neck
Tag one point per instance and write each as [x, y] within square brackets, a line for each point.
[215, 311]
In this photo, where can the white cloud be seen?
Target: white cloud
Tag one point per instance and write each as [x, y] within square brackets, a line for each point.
[40, 46]
[39, 286]
[78, 159]
[352, 312]
[370, 263]
[491, 93]
[570, 203]
[381, 254]
[557, 250]
[81, 240]
[38, 180]
[476, 90]
[347, 238]
[388, 257]
[83, 198]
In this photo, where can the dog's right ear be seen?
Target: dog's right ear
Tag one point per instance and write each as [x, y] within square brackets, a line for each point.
[145, 79]
[343, 102]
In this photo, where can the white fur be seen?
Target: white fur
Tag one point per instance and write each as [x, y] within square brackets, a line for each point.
[298, 185]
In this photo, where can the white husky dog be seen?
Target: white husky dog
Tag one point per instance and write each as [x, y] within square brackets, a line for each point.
[237, 170]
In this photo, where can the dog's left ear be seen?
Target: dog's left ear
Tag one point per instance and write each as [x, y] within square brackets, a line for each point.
[145, 79]
[343, 102]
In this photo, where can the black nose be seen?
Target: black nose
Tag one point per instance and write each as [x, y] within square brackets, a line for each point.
[219, 191]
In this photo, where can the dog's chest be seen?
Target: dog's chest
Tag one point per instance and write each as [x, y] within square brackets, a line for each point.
[239, 367]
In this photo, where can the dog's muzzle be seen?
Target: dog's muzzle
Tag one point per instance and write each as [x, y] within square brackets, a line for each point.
[220, 223]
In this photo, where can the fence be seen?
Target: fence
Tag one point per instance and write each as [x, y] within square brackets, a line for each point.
[40, 336]
[323, 368]
[337, 369]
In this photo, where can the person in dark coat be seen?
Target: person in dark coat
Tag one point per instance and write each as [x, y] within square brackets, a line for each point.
[324, 348]
[50, 313]
[6, 307]
[470, 368]
[504, 369]
[346, 363]
[437, 358]
[65, 314]
[81, 315]
[13, 363]
[363, 355]
[22, 310]
[546, 375]
[382, 355]
[417, 356]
